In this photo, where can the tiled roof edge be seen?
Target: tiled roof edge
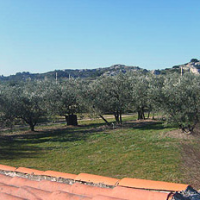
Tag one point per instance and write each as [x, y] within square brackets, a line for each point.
[152, 185]
[90, 179]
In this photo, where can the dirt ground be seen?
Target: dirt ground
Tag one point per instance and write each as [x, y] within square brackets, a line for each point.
[190, 155]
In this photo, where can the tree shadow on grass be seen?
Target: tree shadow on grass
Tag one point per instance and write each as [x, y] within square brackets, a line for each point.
[14, 149]
[146, 125]
[34, 144]
[30, 144]
[68, 134]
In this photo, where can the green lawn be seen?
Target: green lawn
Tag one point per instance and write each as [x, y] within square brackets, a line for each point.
[129, 151]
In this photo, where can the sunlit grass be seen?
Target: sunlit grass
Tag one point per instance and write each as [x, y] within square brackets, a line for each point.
[127, 151]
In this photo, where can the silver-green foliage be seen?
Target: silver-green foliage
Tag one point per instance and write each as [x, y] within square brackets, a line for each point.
[139, 93]
[110, 95]
[179, 99]
[64, 98]
[26, 102]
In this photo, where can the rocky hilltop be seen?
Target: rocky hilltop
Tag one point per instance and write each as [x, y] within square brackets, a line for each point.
[193, 66]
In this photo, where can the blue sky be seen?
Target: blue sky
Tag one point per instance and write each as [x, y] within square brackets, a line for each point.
[44, 35]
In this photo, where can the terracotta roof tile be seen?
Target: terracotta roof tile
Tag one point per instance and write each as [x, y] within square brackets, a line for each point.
[88, 190]
[8, 188]
[154, 185]
[5, 179]
[29, 171]
[59, 174]
[59, 195]
[18, 181]
[130, 193]
[32, 193]
[96, 179]
[7, 168]
[101, 197]
[9, 197]
[53, 186]
[24, 183]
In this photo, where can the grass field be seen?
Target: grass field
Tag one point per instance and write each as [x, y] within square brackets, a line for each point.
[137, 149]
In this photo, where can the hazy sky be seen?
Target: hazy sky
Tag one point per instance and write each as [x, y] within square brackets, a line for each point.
[44, 35]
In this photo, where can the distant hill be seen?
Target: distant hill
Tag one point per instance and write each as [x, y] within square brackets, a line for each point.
[192, 66]
[77, 73]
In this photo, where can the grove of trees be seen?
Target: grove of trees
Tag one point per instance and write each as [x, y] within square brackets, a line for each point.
[173, 96]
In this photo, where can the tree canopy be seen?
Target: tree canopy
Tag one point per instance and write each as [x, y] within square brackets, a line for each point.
[176, 96]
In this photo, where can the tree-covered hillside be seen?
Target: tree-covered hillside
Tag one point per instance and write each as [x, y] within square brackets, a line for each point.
[70, 73]
[192, 66]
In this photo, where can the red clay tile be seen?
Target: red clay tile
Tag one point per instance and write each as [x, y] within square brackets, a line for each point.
[101, 197]
[59, 195]
[96, 179]
[17, 188]
[53, 186]
[5, 179]
[88, 190]
[18, 181]
[29, 171]
[59, 174]
[32, 193]
[137, 194]
[4, 196]
[8, 188]
[7, 168]
[154, 185]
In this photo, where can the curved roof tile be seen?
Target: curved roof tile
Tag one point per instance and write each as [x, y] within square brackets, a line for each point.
[5, 179]
[101, 197]
[32, 193]
[8, 189]
[59, 195]
[88, 190]
[130, 193]
[152, 185]
[59, 174]
[7, 168]
[9, 197]
[91, 178]
[53, 186]
[29, 171]
[18, 181]
[31, 184]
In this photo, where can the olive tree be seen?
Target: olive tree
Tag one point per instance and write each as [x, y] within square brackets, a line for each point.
[109, 95]
[25, 101]
[8, 105]
[179, 99]
[139, 90]
[154, 92]
[64, 100]
[32, 103]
